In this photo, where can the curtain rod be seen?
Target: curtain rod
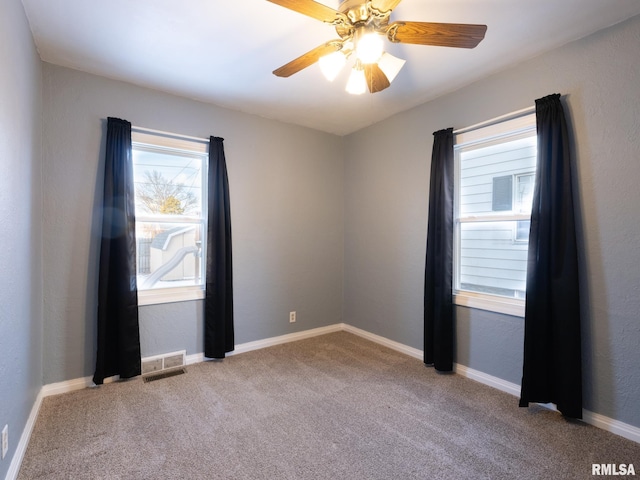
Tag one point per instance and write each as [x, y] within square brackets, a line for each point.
[169, 134]
[507, 116]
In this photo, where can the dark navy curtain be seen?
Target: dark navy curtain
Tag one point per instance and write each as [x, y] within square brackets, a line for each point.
[218, 330]
[438, 306]
[118, 349]
[552, 370]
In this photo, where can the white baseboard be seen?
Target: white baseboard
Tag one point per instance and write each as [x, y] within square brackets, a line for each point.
[72, 385]
[195, 358]
[290, 337]
[270, 342]
[399, 347]
[66, 386]
[614, 426]
[610, 425]
[490, 380]
[467, 372]
[21, 448]
[605, 423]
[617, 427]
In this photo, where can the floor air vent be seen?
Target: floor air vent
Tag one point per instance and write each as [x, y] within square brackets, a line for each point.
[163, 366]
[161, 375]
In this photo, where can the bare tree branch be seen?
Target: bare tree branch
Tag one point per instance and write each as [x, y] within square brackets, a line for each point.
[159, 195]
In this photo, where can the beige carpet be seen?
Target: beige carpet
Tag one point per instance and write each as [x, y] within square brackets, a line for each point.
[331, 407]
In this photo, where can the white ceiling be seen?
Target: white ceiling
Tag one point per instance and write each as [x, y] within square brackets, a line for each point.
[224, 52]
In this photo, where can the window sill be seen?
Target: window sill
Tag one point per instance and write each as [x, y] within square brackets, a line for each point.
[170, 295]
[491, 303]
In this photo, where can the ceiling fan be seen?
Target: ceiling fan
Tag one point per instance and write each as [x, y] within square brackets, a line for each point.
[362, 26]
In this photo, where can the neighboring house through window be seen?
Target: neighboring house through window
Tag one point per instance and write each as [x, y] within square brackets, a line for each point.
[171, 198]
[494, 177]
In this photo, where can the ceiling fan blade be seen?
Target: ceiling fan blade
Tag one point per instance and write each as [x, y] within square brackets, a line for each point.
[439, 34]
[313, 9]
[309, 58]
[384, 6]
[376, 79]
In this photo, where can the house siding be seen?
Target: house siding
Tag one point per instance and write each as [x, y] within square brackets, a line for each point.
[492, 259]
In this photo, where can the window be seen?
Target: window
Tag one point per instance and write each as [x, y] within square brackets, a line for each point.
[170, 188]
[524, 199]
[494, 178]
[502, 193]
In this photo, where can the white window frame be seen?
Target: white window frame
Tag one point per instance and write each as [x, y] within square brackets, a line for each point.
[168, 141]
[516, 203]
[506, 128]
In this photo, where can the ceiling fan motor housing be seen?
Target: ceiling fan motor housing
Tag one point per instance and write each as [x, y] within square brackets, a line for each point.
[361, 18]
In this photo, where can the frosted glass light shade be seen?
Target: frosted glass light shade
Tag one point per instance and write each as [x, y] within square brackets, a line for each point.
[390, 65]
[331, 65]
[357, 83]
[369, 48]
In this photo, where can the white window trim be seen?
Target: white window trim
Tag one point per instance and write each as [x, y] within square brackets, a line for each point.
[506, 126]
[170, 141]
[491, 303]
[170, 295]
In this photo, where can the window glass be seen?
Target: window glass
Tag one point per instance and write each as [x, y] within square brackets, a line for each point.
[502, 193]
[490, 261]
[167, 183]
[495, 173]
[170, 218]
[169, 254]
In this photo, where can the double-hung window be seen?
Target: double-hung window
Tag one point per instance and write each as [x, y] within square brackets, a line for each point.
[170, 175]
[494, 178]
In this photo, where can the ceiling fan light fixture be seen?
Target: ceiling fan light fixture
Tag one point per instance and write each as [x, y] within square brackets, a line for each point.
[390, 65]
[332, 64]
[357, 83]
[369, 47]
[363, 27]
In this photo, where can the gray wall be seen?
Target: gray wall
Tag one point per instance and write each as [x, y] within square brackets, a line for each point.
[286, 189]
[387, 179]
[20, 211]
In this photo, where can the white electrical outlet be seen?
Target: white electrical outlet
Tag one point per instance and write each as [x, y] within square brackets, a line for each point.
[5, 440]
[292, 317]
